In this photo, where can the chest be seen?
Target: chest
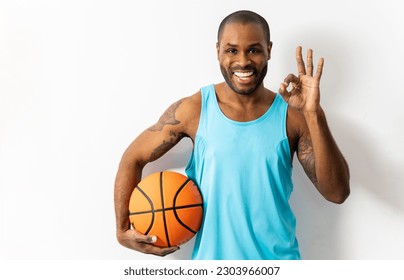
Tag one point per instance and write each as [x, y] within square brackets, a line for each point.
[243, 113]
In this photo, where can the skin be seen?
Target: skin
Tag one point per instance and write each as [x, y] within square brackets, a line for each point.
[241, 49]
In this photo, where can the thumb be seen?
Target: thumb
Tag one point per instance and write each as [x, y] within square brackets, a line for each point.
[144, 238]
[283, 91]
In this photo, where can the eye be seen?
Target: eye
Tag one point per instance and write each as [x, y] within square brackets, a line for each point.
[255, 51]
[232, 51]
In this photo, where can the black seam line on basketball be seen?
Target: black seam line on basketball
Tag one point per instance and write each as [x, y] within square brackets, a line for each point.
[179, 190]
[175, 209]
[162, 206]
[152, 211]
[166, 209]
[200, 193]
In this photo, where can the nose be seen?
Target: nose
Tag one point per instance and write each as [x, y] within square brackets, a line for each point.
[244, 59]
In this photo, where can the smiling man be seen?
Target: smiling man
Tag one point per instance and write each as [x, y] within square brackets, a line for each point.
[245, 138]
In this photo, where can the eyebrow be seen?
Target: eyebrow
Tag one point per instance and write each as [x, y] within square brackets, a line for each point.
[250, 46]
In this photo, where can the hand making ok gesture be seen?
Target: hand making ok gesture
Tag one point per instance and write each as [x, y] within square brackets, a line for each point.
[305, 92]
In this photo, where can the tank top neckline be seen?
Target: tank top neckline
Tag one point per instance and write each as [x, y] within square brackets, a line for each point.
[257, 120]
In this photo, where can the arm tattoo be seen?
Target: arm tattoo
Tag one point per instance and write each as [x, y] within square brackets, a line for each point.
[166, 145]
[167, 118]
[306, 157]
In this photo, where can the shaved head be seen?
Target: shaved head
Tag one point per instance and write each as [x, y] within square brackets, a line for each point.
[245, 17]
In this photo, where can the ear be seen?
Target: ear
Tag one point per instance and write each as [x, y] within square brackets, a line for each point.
[217, 49]
[269, 50]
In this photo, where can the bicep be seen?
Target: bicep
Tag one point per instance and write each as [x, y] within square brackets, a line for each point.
[151, 145]
[155, 141]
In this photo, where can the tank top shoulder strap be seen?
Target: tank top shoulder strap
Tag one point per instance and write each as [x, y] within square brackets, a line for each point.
[207, 96]
[280, 108]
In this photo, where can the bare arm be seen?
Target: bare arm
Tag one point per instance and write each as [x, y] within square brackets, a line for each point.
[317, 151]
[322, 160]
[147, 147]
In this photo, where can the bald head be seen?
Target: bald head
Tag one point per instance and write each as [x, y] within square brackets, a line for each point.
[245, 17]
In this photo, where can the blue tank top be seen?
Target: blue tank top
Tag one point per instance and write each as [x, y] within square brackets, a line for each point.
[244, 171]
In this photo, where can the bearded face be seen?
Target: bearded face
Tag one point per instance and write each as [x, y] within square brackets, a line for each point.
[243, 56]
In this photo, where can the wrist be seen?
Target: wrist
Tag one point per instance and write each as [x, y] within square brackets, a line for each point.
[314, 113]
[315, 120]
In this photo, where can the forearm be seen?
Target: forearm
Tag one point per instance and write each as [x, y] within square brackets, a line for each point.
[331, 169]
[127, 178]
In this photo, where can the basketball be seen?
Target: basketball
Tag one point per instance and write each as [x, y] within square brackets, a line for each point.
[168, 205]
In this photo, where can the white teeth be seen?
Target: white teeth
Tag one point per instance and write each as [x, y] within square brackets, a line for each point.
[243, 74]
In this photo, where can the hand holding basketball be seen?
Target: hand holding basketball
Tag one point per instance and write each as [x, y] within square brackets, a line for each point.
[132, 239]
[167, 205]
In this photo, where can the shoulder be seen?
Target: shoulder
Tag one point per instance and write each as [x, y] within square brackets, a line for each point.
[187, 111]
[189, 107]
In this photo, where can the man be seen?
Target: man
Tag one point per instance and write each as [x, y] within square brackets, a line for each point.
[244, 137]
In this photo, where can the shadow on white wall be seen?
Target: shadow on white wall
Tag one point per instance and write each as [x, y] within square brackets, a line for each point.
[322, 230]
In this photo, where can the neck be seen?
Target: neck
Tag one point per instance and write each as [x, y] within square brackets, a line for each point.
[240, 107]
[226, 93]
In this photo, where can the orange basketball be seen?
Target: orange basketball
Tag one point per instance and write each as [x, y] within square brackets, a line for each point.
[168, 205]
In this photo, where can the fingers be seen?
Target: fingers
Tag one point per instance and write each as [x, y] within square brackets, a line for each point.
[140, 238]
[145, 244]
[300, 63]
[283, 89]
[320, 66]
[154, 250]
[309, 70]
[291, 79]
[302, 69]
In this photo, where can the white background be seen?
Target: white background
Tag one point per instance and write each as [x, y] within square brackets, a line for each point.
[80, 79]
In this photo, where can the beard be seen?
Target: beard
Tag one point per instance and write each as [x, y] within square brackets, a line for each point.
[259, 78]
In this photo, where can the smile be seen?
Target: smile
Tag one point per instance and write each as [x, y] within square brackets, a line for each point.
[243, 75]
